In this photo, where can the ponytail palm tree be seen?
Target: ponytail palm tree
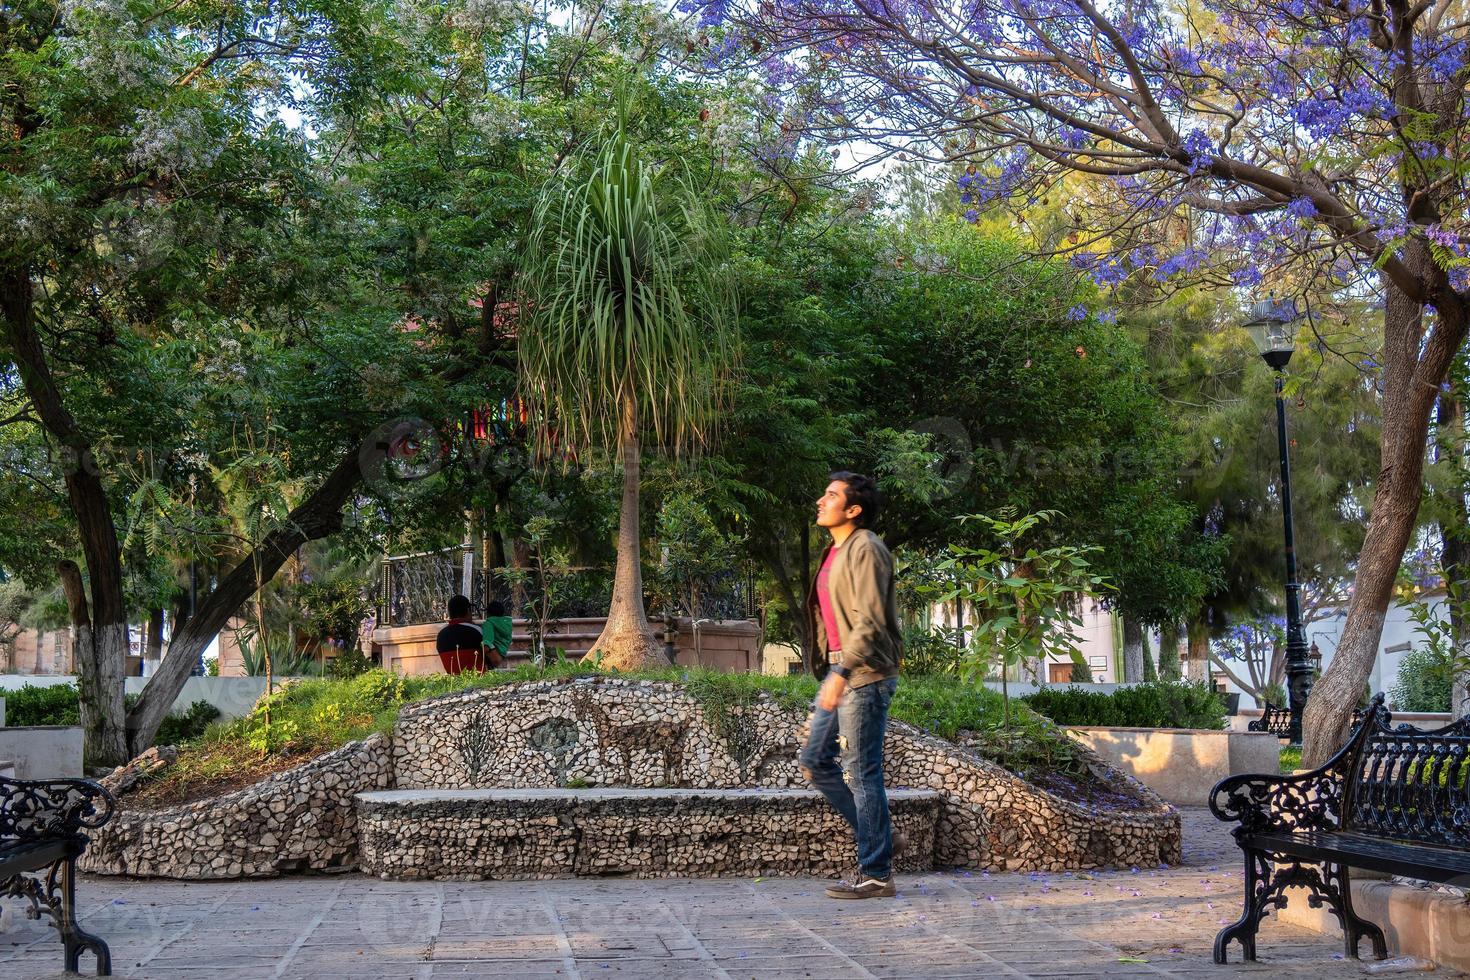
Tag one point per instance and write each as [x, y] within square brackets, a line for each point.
[626, 337]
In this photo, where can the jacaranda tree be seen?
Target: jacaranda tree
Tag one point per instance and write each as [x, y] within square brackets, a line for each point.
[1303, 146]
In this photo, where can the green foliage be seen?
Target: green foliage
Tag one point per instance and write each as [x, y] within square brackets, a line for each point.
[334, 611]
[1425, 681]
[1024, 597]
[1170, 669]
[32, 704]
[1162, 705]
[285, 662]
[189, 725]
[933, 651]
[57, 704]
[1291, 759]
[692, 551]
[1427, 674]
[349, 663]
[630, 322]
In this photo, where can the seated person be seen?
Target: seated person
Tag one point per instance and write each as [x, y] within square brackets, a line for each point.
[461, 645]
[497, 629]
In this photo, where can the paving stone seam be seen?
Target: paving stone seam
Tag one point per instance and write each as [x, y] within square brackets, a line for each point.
[801, 927]
[1102, 947]
[704, 954]
[311, 927]
[564, 944]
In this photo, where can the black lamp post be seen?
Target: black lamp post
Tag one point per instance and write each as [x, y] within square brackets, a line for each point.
[1273, 328]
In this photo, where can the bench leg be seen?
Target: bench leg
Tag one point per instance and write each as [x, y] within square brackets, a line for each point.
[1354, 929]
[1257, 902]
[73, 937]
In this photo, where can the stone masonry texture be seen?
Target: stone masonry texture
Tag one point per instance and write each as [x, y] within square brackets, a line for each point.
[608, 732]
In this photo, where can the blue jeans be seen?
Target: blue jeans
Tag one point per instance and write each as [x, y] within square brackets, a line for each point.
[854, 734]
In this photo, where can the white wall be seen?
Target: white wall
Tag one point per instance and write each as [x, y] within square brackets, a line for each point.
[1096, 633]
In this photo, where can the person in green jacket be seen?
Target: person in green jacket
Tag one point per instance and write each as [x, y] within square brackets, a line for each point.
[497, 629]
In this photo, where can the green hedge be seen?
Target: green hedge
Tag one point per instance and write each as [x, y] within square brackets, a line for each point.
[1157, 705]
[57, 705]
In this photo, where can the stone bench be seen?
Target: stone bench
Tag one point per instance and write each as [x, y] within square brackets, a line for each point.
[473, 834]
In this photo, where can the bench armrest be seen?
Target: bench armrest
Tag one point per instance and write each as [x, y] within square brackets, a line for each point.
[33, 809]
[1308, 801]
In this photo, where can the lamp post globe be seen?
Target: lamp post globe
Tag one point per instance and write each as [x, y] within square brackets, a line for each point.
[1273, 328]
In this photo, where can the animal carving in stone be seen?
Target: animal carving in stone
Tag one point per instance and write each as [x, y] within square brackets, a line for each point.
[664, 738]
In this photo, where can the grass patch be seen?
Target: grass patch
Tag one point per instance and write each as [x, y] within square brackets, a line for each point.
[1291, 759]
[316, 715]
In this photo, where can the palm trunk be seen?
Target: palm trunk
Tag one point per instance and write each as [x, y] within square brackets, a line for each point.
[1410, 385]
[627, 641]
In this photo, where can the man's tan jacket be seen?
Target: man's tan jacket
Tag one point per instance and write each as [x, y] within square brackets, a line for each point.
[865, 606]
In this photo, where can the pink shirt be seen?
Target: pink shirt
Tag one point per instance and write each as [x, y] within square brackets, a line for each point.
[824, 604]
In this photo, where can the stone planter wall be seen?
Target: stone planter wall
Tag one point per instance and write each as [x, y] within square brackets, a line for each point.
[607, 731]
[601, 732]
[1182, 765]
[300, 820]
[642, 833]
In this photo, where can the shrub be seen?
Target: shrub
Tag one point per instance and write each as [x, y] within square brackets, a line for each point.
[58, 705]
[1158, 705]
[1425, 680]
[928, 652]
[349, 663]
[55, 704]
[187, 725]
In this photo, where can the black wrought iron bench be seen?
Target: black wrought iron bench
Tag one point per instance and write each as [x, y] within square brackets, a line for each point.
[42, 824]
[1391, 800]
[1277, 721]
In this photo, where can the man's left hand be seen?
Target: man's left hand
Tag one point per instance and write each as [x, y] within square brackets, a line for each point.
[833, 687]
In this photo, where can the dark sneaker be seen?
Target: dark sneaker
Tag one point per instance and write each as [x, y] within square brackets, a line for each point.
[865, 887]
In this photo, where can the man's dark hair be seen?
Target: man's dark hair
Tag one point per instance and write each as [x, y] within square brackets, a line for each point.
[495, 608]
[459, 606]
[862, 492]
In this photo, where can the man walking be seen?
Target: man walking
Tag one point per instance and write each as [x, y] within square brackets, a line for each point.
[852, 613]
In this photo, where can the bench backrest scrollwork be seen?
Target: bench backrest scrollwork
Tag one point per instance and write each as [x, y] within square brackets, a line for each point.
[32, 809]
[1411, 785]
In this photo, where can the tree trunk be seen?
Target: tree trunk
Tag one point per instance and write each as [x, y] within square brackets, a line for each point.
[1150, 668]
[1197, 654]
[1411, 382]
[1169, 652]
[153, 640]
[627, 641]
[101, 654]
[101, 624]
[315, 517]
[1132, 651]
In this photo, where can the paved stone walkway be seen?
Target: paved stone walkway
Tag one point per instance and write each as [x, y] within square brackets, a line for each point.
[1150, 923]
